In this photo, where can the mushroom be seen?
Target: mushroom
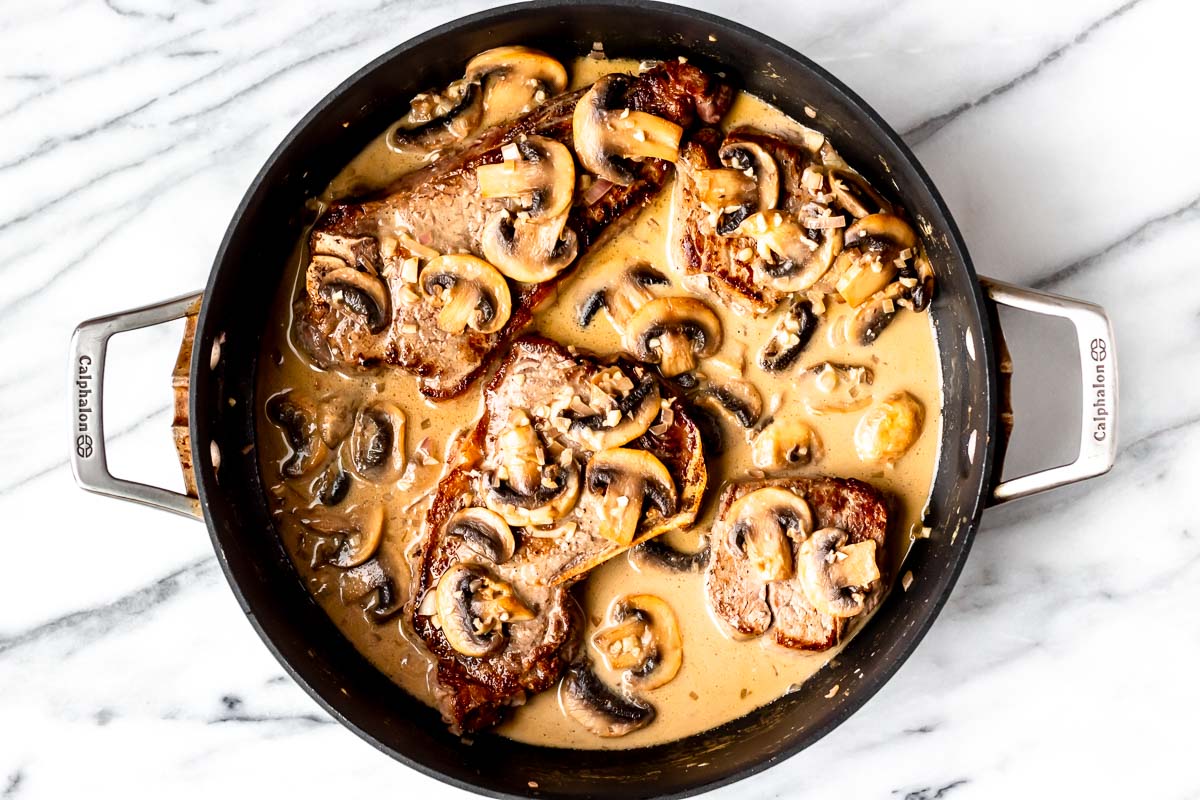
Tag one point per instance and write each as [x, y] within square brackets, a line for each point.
[523, 489]
[360, 293]
[358, 541]
[630, 417]
[660, 554]
[873, 244]
[598, 708]
[331, 486]
[785, 441]
[514, 79]
[831, 387]
[538, 180]
[439, 119]
[377, 441]
[620, 299]
[763, 526]
[853, 193]
[836, 578]
[792, 259]
[529, 251]
[306, 449]
[888, 429]
[483, 531]
[609, 136]
[789, 338]
[335, 419]
[468, 292]
[673, 332]
[624, 482]
[874, 315]
[749, 184]
[737, 399]
[473, 607]
[642, 638]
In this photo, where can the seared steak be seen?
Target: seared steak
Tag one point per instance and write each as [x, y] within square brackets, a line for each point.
[555, 393]
[439, 209]
[751, 607]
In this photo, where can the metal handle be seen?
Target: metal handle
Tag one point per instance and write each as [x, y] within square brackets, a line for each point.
[1098, 389]
[88, 461]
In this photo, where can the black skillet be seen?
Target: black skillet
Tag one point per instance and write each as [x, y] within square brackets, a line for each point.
[245, 276]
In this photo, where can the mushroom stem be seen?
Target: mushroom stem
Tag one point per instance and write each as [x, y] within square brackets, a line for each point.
[641, 135]
[459, 309]
[676, 354]
[620, 511]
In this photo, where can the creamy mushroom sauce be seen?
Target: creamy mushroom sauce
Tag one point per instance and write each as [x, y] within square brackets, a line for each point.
[721, 679]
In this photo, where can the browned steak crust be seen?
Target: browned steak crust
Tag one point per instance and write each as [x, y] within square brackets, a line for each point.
[750, 607]
[440, 207]
[473, 692]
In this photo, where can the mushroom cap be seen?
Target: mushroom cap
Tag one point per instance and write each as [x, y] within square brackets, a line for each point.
[889, 428]
[483, 531]
[362, 294]
[680, 321]
[377, 441]
[818, 557]
[473, 293]
[625, 481]
[786, 441]
[473, 607]
[512, 76]
[529, 251]
[540, 184]
[361, 543]
[763, 526]
[853, 193]
[791, 335]
[642, 638]
[750, 156]
[550, 501]
[608, 136]
[295, 416]
[884, 228]
[737, 399]
[638, 409]
[603, 711]
[438, 119]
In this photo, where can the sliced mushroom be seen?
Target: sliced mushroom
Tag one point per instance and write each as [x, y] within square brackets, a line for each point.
[632, 415]
[528, 502]
[625, 482]
[829, 387]
[377, 442]
[361, 540]
[750, 180]
[473, 607]
[439, 119]
[819, 557]
[873, 316]
[598, 708]
[331, 486]
[335, 419]
[641, 638]
[662, 555]
[469, 292]
[609, 136]
[763, 527]
[794, 257]
[529, 251]
[853, 193]
[538, 181]
[296, 419]
[623, 297]
[483, 531]
[791, 335]
[361, 294]
[889, 428]
[515, 79]
[785, 441]
[673, 332]
[873, 245]
[737, 399]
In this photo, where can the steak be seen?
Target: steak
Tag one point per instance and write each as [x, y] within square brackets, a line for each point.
[544, 380]
[439, 209]
[751, 607]
[699, 250]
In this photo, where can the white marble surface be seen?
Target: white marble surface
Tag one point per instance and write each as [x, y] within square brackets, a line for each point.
[1063, 135]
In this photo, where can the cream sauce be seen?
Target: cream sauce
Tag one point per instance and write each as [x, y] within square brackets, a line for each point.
[721, 679]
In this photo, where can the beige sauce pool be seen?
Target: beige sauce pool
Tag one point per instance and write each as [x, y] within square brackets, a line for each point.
[721, 679]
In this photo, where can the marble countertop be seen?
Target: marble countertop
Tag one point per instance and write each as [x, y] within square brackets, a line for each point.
[1064, 661]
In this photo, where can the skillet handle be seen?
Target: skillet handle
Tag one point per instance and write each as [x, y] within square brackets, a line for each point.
[1098, 389]
[88, 460]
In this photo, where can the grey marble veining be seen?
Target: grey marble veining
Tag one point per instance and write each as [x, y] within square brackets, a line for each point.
[1062, 136]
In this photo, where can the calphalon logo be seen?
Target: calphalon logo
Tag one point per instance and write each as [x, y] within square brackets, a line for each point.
[1100, 390]
[83, 395]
